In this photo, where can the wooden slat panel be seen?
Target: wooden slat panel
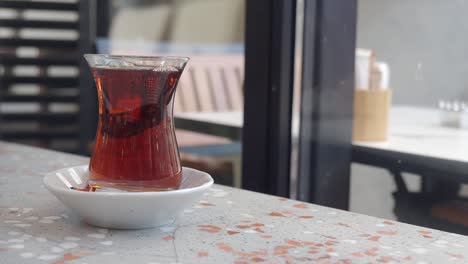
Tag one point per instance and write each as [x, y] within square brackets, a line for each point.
[46, 117]
[69, 60]
[178, 102]
[42, 5]
[217, 88]
[202, 88]
[39, 98]
[18, 135]
[49, 81]
[42, 43]
[65, 51]
[43, 24]
[187, 91]
[211, 83]
[233, 88]
[240, 79]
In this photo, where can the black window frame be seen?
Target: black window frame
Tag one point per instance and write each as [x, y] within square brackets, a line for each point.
[329, 36]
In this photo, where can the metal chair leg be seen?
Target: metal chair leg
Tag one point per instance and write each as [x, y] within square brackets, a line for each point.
[399, 181]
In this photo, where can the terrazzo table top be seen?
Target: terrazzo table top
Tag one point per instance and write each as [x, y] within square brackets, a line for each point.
[228, 226]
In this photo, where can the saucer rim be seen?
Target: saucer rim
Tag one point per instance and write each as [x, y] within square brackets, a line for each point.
[68, 191]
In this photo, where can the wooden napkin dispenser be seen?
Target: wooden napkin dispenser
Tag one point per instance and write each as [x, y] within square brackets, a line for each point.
[371, 114]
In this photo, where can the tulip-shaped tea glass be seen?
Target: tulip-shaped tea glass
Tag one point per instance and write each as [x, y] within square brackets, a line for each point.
[136, 147]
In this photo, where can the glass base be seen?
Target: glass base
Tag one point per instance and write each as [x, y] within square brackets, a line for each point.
[132, 186]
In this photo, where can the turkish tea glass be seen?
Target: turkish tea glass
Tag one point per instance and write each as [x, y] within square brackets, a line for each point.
[136, 147]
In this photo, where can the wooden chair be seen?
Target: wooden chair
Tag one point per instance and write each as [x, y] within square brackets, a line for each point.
[211, 83]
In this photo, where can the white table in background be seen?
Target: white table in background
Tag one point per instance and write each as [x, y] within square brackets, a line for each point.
[417, 142]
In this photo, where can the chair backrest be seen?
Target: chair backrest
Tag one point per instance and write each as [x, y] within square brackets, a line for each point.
[211, 83]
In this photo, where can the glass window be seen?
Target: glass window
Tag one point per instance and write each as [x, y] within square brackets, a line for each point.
[410, 122]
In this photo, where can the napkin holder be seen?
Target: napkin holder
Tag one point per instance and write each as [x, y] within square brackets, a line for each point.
[371, 114]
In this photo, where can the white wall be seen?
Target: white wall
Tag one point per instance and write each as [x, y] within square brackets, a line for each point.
[424, 41]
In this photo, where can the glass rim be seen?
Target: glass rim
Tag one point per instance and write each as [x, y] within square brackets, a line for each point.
[142, 57]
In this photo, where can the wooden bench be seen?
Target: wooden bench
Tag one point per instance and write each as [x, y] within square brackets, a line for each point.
[211, 83]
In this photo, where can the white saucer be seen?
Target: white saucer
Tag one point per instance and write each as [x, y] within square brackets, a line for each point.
[126, 210]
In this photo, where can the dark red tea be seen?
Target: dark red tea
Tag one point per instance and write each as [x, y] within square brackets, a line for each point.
[136, 148]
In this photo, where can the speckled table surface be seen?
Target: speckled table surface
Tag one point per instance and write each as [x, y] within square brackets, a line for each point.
[228, 226]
